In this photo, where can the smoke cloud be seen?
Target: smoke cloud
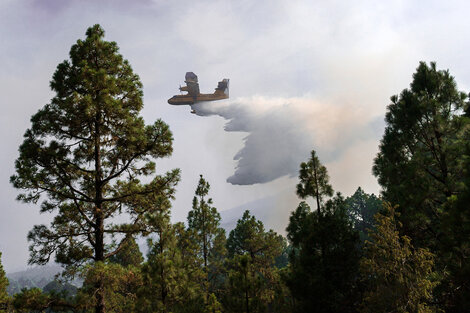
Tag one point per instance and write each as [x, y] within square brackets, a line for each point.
[281, 132]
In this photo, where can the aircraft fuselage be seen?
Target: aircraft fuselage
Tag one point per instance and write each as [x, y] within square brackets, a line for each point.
[188, 99]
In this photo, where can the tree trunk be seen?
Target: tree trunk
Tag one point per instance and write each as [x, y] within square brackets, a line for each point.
[99, 216]
[247, 303]
[100, 305]
[99, 257]
[317, 187]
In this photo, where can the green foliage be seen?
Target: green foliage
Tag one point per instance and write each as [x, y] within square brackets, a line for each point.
[189, 249]
[314, 178]
[249, 237]
[398, 276]
[31, 300]
[118, 284]
[129, 254]
[454, 246]
[85, 154]
[283, 301]
[253, 277]
[361, 208]
[299, 225]
[4, 298]
[418, 161]
[246, 286]
[34, 300]
[213, 305]
[422, 166]
[170, 278]
[324, 260]
[324, 256]
[204, 220]
[204, 224]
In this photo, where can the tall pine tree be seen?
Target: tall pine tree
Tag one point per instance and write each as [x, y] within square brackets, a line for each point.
[418, 162]
[253, 277]
[421, 165]
[324, 259]
[84, 156]
[314, 180]
[170, 281]
[204, 223]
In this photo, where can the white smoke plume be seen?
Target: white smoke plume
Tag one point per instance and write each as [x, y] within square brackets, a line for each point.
[281, 132]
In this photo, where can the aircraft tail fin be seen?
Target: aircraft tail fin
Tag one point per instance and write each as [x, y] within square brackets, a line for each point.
[226, 89]
[223, 87]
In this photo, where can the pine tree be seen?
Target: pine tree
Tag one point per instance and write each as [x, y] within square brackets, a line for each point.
[324, 260]
[129, 254]
[396, 273]
[418, 162]
[314, 180]
[170, 283]
[454, 251]
[246, 286]
[120, 287]
[204, 223]
[324, 256]
[37, 300]
[84, 156]
[421, 167]
[31, 300]
[253, 277]
[361, 208]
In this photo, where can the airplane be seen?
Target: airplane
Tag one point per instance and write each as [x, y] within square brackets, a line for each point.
[193, 95]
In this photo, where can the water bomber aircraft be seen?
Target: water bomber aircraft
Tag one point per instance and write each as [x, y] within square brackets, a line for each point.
[193, 95]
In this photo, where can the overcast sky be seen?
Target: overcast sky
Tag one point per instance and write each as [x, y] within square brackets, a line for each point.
[304, 75]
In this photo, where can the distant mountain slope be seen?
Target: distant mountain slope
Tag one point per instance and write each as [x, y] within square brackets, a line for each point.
[273, 211]
[38, 277]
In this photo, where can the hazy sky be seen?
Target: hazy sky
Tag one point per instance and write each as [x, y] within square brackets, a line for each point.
[304, 75]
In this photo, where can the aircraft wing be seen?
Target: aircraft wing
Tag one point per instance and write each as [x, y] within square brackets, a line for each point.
[192, 86]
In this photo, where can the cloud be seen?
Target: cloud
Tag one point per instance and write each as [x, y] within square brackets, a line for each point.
[282, 131]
